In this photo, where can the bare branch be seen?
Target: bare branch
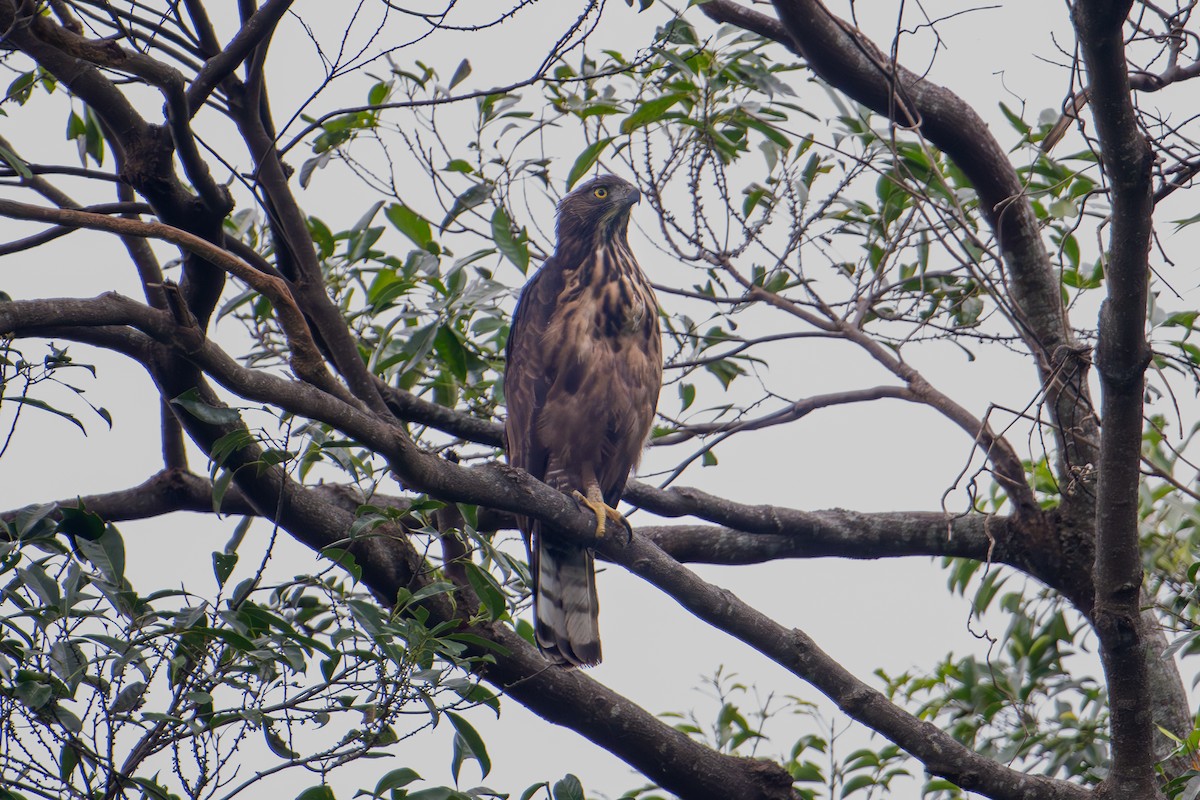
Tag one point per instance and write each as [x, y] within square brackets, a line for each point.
[789, 413]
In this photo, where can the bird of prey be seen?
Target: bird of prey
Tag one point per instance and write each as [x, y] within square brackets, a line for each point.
[584, 367]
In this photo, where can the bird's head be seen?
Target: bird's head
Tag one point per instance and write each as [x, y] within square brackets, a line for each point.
[599, 207]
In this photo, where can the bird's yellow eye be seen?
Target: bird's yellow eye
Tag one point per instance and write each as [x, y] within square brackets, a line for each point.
[600, 192]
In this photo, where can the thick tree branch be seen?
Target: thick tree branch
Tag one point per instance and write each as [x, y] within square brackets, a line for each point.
[1122, 357]
[838, 533]
[817, 534]
[162, 493]
[58, 231]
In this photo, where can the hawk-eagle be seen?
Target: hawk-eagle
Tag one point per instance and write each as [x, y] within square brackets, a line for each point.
[584, 366]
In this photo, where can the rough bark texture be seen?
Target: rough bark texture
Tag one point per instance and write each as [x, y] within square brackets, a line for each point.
[1122, 357]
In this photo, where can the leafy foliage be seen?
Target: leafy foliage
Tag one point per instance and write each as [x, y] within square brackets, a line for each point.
[103, 685]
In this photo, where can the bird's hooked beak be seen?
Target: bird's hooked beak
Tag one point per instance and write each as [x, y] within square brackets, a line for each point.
[632, 198]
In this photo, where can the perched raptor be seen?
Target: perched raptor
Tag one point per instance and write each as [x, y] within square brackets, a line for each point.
[581, 384]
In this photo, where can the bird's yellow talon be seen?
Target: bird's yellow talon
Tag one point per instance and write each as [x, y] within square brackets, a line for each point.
[595, 501]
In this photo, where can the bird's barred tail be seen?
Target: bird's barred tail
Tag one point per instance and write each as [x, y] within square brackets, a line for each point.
[566, 609]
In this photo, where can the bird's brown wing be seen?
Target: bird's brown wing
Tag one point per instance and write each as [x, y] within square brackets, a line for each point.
[526, 377]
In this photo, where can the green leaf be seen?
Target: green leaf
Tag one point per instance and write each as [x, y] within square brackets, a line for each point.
[22, 87]
[44, 406]
[311, 165]
[725, 370]
[436, 793]
[379, 93]
[68, 663]
[487, 589]
[452, 352]
[68, 758]
[33, 693]
[1063, 208]
[223, 564]
[532, 790]
[221, 485]
[1014, 119]
[277, 745]
[513, 247]
[411, 224]
[649, 111]
[41, 584]
[153, 790]
[585, 160]
[468, 744]
[321, 792]
[769, 131]
[92, 142]
[687, 393]
[472, 197]
[569, 788]
[191, 402]
[432, 589]
[940, 785]
[80, 522]
[461, 73]
[33, 520]
[128, 699]
[857, 783]
[14, 161]
[344, 559]
[680, 31]
[1070, 248]
[478, 693]
[395, 779]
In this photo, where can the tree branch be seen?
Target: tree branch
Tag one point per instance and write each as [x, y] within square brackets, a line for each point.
[816, 534]
[1122, 357]
[789, 413]
[219, 67]
[841, 534]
